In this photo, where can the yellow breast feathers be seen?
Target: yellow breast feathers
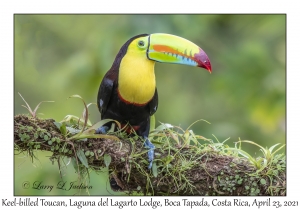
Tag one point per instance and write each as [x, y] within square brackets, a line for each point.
[136, 78]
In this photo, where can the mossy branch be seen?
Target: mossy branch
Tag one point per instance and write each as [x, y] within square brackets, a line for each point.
[179, 169]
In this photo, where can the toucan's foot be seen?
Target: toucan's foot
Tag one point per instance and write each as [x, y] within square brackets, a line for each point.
[102, 130]
[151, 147]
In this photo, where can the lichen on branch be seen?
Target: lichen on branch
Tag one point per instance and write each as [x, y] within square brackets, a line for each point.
[185, 163]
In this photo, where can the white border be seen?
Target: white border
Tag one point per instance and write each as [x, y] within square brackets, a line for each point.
[153, 6]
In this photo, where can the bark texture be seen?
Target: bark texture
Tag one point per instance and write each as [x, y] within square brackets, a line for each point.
[177, 171]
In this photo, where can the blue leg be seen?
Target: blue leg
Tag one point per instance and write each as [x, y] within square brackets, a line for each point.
[151, 147]
[102, 130]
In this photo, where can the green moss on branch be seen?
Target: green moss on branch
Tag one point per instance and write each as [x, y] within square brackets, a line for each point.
[180, 167]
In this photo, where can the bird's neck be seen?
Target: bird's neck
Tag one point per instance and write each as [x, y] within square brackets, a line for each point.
[136, 79]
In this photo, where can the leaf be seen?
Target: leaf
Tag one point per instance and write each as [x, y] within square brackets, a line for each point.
[263, 181]
[251, 142]
[196, 122]
[63, 129]
[164, 126]
[33, 113]
[72, 130]
[186, 137]
[168, 159]
[36, 108]
[152, 123]
[27, 105]
[193, 137]
[74, 163]
[107, 159]
[278, 149]
[82, 158]
[86, 111]
[112, 128]
[154, 169]
[175, 138]
[100, 124]
[272, 147]
[245, 154]
[80, 136]
[74, 120]
[57, 124]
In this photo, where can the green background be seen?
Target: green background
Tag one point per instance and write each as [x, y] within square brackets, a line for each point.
[56, 56]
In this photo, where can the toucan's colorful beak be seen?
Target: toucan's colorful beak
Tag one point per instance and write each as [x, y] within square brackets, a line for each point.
[167, 48]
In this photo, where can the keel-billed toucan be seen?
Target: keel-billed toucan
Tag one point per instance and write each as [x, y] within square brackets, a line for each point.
[128, 92]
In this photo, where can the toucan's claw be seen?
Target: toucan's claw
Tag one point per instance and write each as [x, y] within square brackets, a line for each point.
[151, 148]
[102, 130]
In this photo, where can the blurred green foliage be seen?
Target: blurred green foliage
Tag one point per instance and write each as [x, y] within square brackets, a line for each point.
[56, 56]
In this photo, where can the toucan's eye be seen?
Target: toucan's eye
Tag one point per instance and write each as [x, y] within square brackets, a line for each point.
[141, 43]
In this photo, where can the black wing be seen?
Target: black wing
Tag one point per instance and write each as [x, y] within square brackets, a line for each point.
[153, 104]
[104, 93]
